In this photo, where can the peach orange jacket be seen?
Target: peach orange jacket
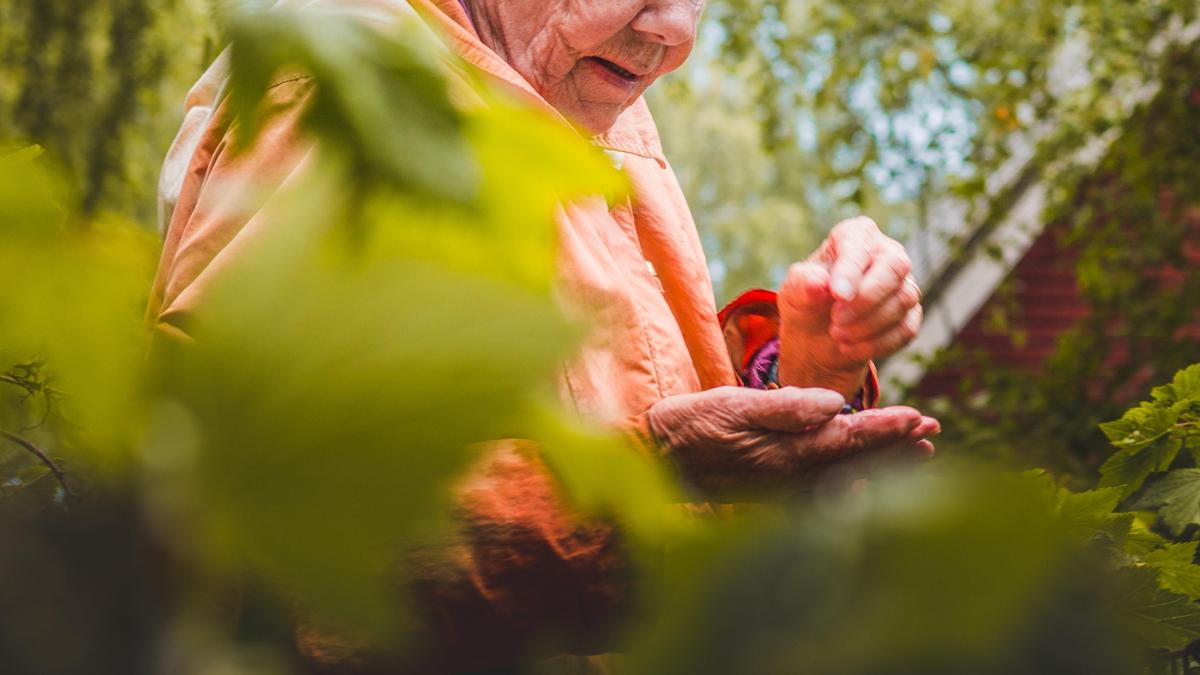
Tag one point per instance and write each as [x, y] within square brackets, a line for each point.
[524, 567]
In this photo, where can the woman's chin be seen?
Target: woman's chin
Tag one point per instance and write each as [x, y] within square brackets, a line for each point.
[595, 118]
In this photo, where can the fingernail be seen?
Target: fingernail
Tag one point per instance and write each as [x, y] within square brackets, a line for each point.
[824, 400]
[927, 429]
[842, 288]
[830, 400]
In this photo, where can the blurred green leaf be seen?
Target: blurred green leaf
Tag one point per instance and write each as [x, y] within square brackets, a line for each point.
[336, 396]
[605, 474]
[394, 312]
[916, 574]
[380, 96]
[73, 294]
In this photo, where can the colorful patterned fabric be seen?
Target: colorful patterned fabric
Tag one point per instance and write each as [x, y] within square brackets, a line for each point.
[751, 327]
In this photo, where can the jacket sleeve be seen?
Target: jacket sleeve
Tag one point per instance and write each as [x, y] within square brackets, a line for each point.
[750, 324]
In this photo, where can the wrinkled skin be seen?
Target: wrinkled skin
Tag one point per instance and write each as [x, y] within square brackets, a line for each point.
[853, 300]
[733, 441]
[850, 302]
[555, 44]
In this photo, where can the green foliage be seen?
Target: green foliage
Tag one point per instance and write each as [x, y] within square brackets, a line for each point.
[394, 316]
[1165, 576]
[747, 198]
[928, 572]
[99, 84]
[1176, 567]
[1128, 221]
[924, 573]
[643, 496]
[431, 342]
[819, 110]
[427, 277]
[1177, 497]
[365, 76]
[1148, 439]
[1159, 617]
[95, 275]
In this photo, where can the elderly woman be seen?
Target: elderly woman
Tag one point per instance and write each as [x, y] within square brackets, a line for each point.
[736, 400]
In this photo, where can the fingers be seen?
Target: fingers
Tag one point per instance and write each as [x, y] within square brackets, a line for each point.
[928, 427]
[804, 298]
[791, 409]
[719, 415]
[912, 450]
[849, 435]
[916, 446]
[892, 457]
[849, 327]
[852, 243]
[889, 267]
[888, 342]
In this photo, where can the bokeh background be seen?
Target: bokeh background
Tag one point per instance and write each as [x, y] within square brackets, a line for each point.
[1039, 159]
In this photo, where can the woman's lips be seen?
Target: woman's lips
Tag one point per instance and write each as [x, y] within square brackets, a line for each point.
[614, 68]
[612, 73]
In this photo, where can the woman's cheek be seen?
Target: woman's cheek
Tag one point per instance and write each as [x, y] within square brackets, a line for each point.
[675, 57]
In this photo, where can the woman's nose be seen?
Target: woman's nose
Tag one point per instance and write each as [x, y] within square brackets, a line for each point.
[668, 22]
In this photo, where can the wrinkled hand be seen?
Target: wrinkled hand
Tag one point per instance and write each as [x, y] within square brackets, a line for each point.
[734, 440]
[853, 300]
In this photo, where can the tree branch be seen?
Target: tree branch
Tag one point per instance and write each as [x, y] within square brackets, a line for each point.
[41, 455]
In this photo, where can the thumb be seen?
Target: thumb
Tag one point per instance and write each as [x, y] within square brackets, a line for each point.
[791, 409]
[805, 298]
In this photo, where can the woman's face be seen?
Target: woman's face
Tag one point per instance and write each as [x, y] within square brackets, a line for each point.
[590, 59]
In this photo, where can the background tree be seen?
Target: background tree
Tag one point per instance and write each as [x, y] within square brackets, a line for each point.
[930, 116]
[101, 86]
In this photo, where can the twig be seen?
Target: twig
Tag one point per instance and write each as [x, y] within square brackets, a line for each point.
[13, 381]
[41, 455]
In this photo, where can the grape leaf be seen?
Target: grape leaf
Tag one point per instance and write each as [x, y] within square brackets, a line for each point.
[1176, 571]
[1160, 618]
[1094, 512]
[1184, 388]
[1146, 436]
[1176, 495]
[1130, 467]
[1141, 540]
[1140, 426]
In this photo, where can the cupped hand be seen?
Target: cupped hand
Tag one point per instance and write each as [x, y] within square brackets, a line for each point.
[853, 300]
[734, 440]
